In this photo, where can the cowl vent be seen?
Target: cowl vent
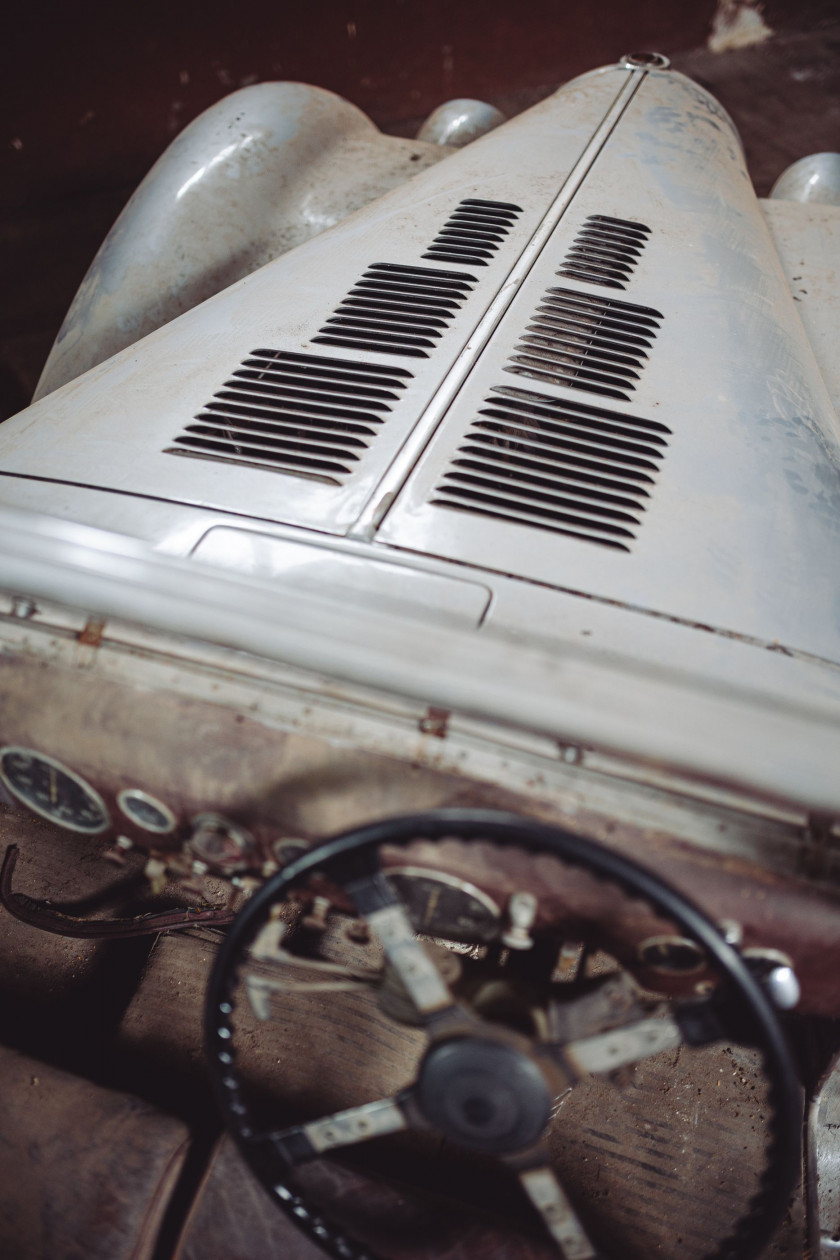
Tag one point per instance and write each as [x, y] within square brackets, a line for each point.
[295, 413]
[559, 466]
[591, 343]
[605, 251]
[474, 232]
[397, 310]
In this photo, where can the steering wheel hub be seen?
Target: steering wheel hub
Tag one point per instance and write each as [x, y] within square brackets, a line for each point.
[483, 1095]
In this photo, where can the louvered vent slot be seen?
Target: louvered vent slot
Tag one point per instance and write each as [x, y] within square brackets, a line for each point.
[295, 413]
[474, 232]
[559, 466]
[605, 251]
[596, 344]
[397, 310]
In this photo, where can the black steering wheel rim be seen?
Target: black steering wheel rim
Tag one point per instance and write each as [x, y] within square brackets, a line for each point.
[354, 852]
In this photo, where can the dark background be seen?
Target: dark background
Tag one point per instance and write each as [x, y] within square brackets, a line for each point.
[96, 91]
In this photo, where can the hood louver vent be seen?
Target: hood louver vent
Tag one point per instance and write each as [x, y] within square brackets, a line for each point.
[295, 413]
[605, 251]
[571, 469]
[590, 343]
[474, 232]
[397, 310]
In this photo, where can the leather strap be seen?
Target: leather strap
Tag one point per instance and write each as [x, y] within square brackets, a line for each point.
[41, 915]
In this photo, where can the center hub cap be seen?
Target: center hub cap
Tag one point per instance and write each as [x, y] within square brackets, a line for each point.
[483, 1095]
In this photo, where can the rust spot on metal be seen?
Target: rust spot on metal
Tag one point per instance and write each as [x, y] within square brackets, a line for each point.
[435, 722]
[91, 636]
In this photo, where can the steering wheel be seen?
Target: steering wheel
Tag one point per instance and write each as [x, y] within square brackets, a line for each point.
[485, 1086]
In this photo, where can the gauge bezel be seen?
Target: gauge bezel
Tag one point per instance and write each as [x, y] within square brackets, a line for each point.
[450, 881]
[46, 759]
[137, 794]
[678, 942]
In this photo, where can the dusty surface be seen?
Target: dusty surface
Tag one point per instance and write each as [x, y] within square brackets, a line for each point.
[783, 95]
[62, 998]
[86, 1172]
[660, 1160]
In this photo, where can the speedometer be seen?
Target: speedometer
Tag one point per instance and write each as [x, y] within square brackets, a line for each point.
[53, 791]
[442, 905]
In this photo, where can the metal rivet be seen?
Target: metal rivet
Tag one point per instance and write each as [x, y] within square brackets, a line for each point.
[23, 607]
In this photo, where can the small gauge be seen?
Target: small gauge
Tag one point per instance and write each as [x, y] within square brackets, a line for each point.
[445, 906]
[53, 791]
[146, 811]
[289, 849]
[672, 955]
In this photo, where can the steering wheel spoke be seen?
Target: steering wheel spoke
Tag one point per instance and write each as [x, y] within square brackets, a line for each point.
[303, 1142]
[544, 1189]
[388, 919]
[604, 1052]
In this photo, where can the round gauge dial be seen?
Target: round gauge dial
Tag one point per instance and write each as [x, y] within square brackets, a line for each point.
[445, 906]
[146, 811]
[672, 955]
[53, 791]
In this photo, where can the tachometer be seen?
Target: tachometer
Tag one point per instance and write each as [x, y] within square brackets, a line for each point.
[53, 791]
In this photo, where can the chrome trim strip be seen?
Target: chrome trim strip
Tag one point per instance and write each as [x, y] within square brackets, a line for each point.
[385, 492]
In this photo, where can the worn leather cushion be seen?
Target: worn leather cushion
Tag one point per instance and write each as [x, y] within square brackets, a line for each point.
[85, 1173]
[233, 1218]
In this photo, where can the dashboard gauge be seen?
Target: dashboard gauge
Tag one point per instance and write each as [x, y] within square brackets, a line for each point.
[146, 811]
[672, 955]
[289, 849]
[445, 906]
[53, 791]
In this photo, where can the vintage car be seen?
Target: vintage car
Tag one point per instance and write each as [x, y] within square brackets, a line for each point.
[428, 566]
